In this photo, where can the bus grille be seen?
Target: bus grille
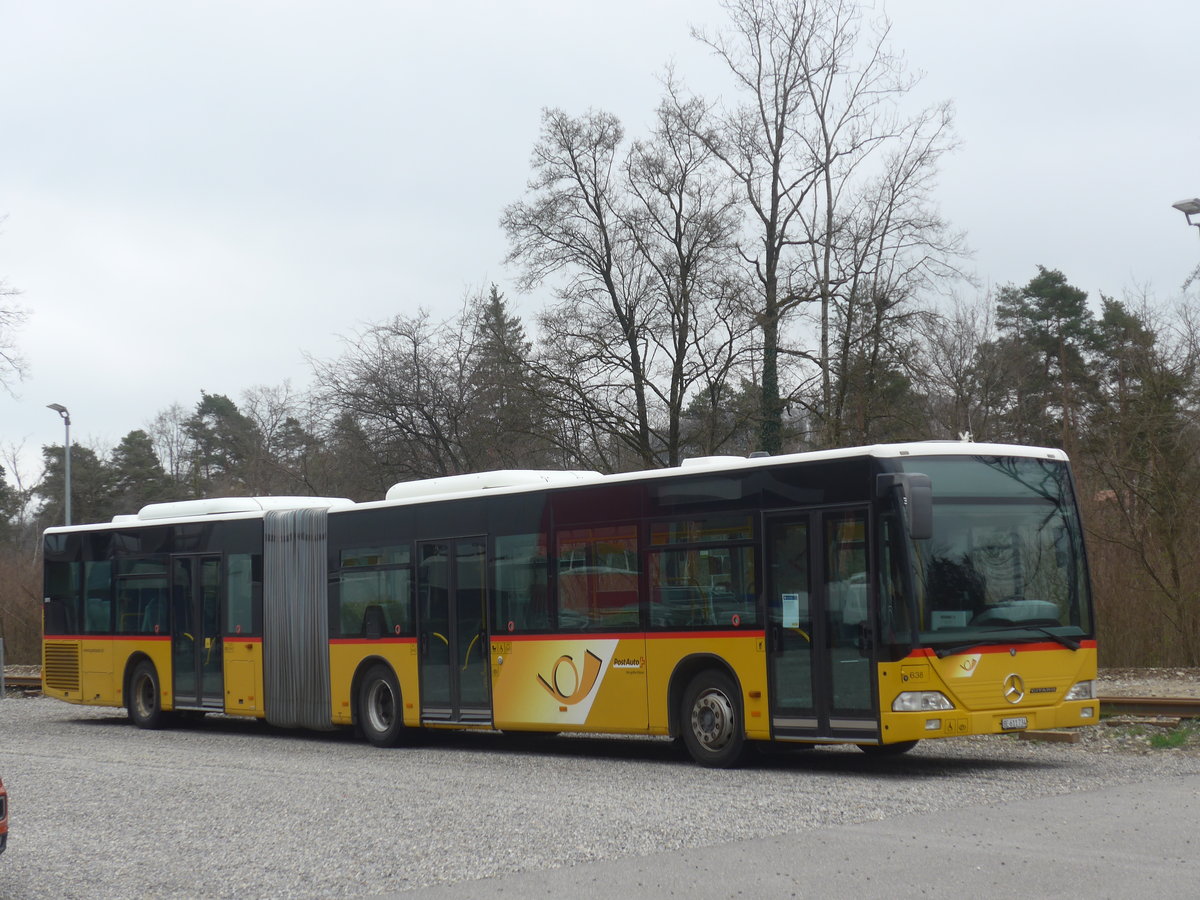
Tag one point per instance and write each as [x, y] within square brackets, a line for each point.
[60, 666]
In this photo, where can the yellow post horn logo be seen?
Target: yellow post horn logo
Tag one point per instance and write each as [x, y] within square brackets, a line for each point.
[581, 687]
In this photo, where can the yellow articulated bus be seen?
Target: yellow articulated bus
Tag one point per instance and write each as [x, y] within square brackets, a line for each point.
[874, 596]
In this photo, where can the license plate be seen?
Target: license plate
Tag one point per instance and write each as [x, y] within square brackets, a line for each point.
[1014, 723]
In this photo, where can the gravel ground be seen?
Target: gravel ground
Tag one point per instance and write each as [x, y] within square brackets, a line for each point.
[232, 808]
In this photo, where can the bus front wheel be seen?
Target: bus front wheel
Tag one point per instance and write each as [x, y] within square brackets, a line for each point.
[380, 713]
[711, 721]
[144, 700]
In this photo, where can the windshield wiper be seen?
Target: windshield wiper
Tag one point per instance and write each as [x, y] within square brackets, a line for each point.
[1069, 643]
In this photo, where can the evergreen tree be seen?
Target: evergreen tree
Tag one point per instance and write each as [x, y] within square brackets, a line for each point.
[136, 476]
[223, 444]
[505, 412]
[91, 496]
[10, 508]
[1048, 331]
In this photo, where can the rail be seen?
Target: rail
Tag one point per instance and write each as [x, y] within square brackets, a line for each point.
[30, 684]
[1180, 707]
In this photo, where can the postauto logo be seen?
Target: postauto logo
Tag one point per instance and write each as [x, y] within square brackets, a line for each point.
[565, 684]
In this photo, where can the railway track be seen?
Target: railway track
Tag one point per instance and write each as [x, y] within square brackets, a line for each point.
[1175, 707]
[30, 684]
[1180, 707]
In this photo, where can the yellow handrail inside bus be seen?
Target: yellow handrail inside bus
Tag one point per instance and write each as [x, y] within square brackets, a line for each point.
[467, 655]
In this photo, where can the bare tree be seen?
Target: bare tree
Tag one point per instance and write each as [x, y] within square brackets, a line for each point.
[576, 221]
[399, 383]
[416, 398]
[283, 459]
[836, 183]
[958, 371]
[647, 312]
[12, 317]
[760, 141]
[170, 440]
[684, 218]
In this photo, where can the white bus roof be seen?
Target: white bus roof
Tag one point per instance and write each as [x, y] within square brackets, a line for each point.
[511, 481]
[218, 507]
[445, 488]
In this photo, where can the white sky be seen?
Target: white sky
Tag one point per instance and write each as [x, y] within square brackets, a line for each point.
[198, 193]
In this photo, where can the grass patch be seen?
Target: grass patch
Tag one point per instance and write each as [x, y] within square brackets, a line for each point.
[1175, 738]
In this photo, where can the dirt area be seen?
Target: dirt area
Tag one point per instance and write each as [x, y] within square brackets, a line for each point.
[1149, 683]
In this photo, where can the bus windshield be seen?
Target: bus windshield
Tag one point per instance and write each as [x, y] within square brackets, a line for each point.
[1005, 563]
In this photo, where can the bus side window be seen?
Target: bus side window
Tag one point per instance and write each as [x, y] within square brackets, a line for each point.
[61, 613]
[97, 606]
[374, 596]
[701, 573]
[240, 591]
[521, 577]
[98, 613]
[598, 577]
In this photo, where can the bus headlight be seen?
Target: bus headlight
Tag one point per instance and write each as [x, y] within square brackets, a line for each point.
[921, 701]
[1082, 690]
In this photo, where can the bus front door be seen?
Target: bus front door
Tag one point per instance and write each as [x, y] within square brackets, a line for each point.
[452, 631]
[196, 652]
[819, 637]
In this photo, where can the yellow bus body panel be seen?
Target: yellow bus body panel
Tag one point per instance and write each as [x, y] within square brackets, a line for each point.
[243, 677]
[976, 682]
[348, 657]
[97, 677]
[570, 683]
[743, 654]
[613, 683]
[619, 683]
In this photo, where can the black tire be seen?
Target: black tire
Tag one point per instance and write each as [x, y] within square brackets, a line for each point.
[143, 701]
[380, 712]
[711, 722]
[896, 749]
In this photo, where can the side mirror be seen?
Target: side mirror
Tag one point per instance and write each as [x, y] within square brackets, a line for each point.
[916, 497]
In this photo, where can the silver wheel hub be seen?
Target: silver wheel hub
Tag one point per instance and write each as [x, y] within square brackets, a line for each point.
[143, 695]
[381, 706]
[712, 719]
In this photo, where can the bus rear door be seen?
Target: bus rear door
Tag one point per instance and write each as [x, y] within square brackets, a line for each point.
[196, 651]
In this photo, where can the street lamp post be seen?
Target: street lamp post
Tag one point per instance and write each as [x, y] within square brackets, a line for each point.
[66, 417]
[1189, 208]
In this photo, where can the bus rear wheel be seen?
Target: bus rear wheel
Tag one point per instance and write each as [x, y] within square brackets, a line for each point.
[711, 721]
[144, 702]
[380, 713]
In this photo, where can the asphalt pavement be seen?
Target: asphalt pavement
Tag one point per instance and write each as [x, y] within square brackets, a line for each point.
[1126, 841]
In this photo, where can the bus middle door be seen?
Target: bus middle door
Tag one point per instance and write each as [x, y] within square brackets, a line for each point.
[819, 639]
[452, 641]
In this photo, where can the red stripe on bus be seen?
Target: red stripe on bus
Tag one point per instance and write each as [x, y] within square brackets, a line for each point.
[627, 636]
[378, 640]
[677, 635]
[106, 637]
[233, 638]
[1087, 644]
